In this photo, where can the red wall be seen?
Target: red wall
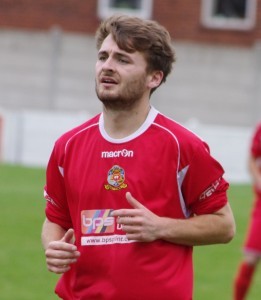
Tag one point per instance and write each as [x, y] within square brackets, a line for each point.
[183, 22]
[71, 15]
[181, 17]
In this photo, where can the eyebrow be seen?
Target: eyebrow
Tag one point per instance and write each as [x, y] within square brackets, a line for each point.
[116, 54]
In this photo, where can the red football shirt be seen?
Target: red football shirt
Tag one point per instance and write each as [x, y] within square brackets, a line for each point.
[256, 150]
[256, 142]
[165, 167]
[253, 240]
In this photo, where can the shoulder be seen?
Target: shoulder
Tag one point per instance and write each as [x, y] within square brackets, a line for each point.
[258, 129]
[62, 141]
[183, 136]
[256, 136]
[255, 146]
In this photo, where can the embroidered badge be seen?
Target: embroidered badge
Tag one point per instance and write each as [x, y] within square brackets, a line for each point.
[115, 179]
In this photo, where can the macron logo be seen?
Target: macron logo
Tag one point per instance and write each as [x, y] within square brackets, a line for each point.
[119, 153]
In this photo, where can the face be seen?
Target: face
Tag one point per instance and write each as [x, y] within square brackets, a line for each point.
[121, 77]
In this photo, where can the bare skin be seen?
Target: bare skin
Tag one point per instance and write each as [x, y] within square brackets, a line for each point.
[59, 250]
[123, 85]
[142, 225]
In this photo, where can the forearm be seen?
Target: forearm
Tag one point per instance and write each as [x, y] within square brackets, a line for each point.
[51, 232]
[254, 169]
[199, 230]
[143, 225]
[60, 253]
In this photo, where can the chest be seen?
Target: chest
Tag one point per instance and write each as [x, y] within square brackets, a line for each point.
[98, 173]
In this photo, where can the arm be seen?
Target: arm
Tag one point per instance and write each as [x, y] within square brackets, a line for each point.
[141, 224]
[255, 171]
[59, 250]
[215, 228]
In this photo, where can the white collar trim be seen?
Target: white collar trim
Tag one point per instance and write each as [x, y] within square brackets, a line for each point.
[149, 120]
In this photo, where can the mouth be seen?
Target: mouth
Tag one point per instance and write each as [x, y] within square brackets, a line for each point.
[108, 80]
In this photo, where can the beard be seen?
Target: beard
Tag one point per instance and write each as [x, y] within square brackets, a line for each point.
[124, 99]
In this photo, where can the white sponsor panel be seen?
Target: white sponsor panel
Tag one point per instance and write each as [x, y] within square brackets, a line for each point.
[105, 240]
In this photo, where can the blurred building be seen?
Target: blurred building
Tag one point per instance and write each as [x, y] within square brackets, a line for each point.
[211, 21]
[47, 60]
[47, 55]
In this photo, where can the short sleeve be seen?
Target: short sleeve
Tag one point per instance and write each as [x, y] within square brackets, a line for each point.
[204, 188]
[256, 142]
[56, 210]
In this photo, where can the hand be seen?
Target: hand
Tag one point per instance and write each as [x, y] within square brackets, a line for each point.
[61, 254]
[139, 223]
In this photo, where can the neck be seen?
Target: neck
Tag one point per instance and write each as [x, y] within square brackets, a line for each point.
[119, 124]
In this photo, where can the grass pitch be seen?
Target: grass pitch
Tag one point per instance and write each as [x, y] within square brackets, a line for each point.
[216, 265]
[23, 274]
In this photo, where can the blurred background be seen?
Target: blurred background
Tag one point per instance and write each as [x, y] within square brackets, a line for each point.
[47, 60]
[48, 53]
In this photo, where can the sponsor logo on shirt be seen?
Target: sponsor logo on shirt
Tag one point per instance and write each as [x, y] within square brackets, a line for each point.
[48, 198]
[105, 240]
[99, 228]
[97, 221]
[210, 190]
[115, 179]
[118, 153]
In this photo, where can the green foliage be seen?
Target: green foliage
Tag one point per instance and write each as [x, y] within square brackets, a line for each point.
[23, 274]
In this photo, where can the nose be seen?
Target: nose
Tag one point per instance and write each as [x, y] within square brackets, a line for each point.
[108, 64]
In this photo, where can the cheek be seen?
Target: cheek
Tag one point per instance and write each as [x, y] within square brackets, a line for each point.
[98, 67]
[97, 74]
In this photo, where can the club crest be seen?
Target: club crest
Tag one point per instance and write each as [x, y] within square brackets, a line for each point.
[115, 179]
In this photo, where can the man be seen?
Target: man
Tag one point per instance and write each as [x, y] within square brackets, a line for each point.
[130, 191]
[252, 247]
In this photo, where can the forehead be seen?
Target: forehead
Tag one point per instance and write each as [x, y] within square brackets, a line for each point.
[110, 46]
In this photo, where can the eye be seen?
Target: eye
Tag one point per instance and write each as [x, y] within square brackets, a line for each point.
[102, 57]
[123, 61]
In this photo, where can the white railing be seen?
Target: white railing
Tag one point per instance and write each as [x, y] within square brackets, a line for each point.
[27, 138]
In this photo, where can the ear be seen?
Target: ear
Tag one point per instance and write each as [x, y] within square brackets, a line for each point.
[154, 79]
